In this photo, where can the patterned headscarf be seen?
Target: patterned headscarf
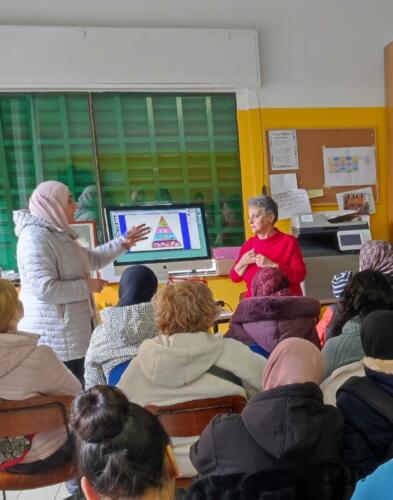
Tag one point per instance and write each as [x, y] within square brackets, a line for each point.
[377, 255]
[270, 281]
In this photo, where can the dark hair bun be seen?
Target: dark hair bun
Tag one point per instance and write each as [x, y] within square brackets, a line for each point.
[99, 413]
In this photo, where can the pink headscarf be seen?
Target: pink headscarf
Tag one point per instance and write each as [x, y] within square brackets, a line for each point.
[270, 281]
[49, 201]
[293, 361]
[376, 255]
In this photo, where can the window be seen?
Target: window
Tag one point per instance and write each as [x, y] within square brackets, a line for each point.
[162, 147]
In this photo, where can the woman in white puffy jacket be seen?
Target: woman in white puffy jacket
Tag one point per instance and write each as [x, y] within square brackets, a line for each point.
[56, 288]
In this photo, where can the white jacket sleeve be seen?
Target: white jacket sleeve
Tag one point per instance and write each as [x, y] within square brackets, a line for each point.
[55, 377]
[104, 254]
[38, 262]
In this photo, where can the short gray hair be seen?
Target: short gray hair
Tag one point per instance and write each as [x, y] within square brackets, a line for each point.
[265, 202]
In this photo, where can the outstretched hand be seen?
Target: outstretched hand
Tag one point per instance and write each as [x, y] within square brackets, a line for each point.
[135, 234]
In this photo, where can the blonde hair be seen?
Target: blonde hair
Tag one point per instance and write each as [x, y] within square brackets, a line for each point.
[186, 306]
[9, 304]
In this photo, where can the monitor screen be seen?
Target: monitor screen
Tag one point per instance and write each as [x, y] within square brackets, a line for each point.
[178, 232]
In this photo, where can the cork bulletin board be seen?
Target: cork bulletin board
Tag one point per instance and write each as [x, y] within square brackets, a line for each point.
[310, 144]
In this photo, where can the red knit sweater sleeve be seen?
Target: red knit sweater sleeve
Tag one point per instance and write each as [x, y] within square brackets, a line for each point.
[232, 273]
[295, 269]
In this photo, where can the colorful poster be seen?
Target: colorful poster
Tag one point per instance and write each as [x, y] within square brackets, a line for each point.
[349, 166]
[361, 200]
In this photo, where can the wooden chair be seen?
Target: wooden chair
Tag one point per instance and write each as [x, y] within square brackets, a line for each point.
[191, 417]
[30, 416]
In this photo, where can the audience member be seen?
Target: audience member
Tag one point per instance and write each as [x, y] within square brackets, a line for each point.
[328, 481]
[124, 327]
[377, 255]
[377, 486]
[367, 291]
[185, 362]
[56, 289]
[367, 402]
[27, 370]
[324, 325]
[122, 449]
[285, 425]
[273, 314]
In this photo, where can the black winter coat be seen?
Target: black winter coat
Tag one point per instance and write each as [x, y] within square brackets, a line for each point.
[313, 482]
[281, 427]
[367, 434]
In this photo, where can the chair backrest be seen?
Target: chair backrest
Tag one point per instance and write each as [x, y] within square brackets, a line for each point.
[37, 414]
[191, 417]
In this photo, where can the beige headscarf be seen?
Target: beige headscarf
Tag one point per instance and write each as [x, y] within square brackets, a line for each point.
[49, 201]
[293, 361]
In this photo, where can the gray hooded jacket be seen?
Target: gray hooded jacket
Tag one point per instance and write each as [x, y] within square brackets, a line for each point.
[55, 295]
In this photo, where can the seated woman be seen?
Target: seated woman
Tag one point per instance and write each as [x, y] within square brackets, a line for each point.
[324, 325]
[124, 327]
[272, 315]
[367, 291]
[122, 449]
[27, 370]
[185, 362]
[377, 255]
[286, 424]
[268, 248]
[367, 402]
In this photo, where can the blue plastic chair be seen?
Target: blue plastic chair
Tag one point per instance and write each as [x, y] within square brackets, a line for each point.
[116, 372]
[259, 350]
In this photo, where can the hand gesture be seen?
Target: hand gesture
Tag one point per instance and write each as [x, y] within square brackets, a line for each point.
[262, 261]
[247, 258]
[135, 234]
[96, 284]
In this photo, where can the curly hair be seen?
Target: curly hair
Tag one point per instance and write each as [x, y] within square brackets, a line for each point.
[366, 292]
[185, 306]
[9, 304]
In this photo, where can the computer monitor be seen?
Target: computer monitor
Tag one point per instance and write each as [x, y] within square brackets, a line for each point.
[178, 240]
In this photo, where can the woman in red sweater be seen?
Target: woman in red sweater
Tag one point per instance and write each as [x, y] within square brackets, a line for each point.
[268, 248]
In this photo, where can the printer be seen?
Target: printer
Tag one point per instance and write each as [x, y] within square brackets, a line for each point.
[330, 244]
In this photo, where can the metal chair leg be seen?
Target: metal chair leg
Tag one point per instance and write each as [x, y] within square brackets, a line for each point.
[4, 496]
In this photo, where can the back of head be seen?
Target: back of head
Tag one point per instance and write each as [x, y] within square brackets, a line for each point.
[185, 306]
[137, 284]
[367, 291]
[377, 335]
[293, 361]
[120, 445]
[9, 304]
[377, 255]
[270, 281]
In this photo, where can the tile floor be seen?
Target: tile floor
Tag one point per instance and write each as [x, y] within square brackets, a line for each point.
[55, 492]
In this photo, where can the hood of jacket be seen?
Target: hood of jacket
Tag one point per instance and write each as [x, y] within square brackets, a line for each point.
[23, 218]
[287, 421]
[275, 308]
[177, 360]
[15, 347]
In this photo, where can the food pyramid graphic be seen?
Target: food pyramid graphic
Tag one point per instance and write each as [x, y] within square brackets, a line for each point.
[164, 237]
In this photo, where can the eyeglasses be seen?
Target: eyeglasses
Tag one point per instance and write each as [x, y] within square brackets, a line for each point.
[254, 217]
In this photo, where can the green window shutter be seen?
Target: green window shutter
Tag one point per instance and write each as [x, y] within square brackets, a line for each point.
[167, 147]
[42, 137]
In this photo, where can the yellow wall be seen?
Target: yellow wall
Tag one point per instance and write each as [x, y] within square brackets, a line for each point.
[253, 125]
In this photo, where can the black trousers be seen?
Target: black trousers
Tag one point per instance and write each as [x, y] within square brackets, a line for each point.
[77, 366]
